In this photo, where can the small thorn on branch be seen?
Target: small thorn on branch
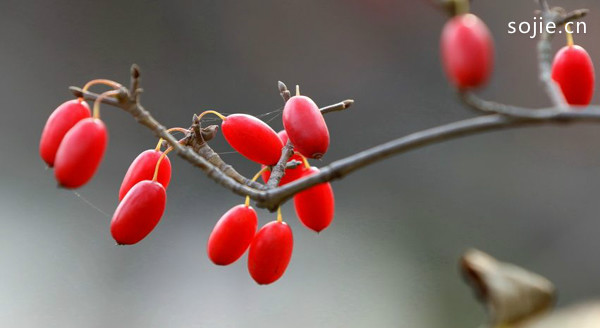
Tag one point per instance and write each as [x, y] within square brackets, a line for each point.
[134, 85]
[293, 164]
[283, 91]
[76, 91]
[135, 71]
[282, 87]
[79, 93]
[337, 107]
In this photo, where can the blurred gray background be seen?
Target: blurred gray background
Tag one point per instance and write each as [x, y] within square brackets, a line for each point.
[528, 196]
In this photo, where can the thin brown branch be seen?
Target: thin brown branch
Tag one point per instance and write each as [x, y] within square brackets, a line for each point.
[202, 156]
[144, 118]
[337, 107]
[473, 101]
[278, 170]
[206, 152]
[340, 168]
[271, 197]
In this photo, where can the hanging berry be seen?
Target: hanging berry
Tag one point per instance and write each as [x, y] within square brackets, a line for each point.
[573, 70]
[315, 206]
[59, 123]
[467, 51]
[142, 168]
[81, 150]
[138, 213]
[270, 252]
[141, 209]
[305, 126]
[251, 137]
[232, 235]
[80, 153]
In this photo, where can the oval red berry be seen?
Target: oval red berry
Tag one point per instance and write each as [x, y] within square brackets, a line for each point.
[142, 168]
[467, 51]
[573, 70]
[252, 138]
[315, 206]
[306, 127]
[232, 235]
[138, 213]
[58, 124]
[270, 252]
[80, 153]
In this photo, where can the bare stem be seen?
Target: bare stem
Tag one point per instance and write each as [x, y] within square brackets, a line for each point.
[278, 170]
[345, 166]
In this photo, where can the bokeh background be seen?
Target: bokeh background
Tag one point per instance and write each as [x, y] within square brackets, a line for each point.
[528, 196]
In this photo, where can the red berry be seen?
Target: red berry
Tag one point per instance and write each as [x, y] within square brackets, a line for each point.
[139, 212]
[80, 153]
[252, 138]
[306, 126]
[573, 70]
[232, 235]
[467, 51]
[315, 206]
[59, 123]
[290, 174]
[142, 168]
[270, 252]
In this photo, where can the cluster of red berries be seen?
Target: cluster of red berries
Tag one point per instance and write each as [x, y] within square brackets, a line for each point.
[73, 142]
[467, 51]
[270, 249]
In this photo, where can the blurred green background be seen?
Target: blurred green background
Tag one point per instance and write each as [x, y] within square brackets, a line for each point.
[528, 196]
